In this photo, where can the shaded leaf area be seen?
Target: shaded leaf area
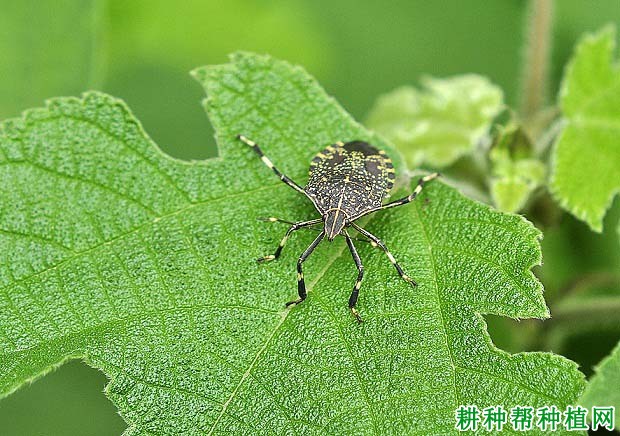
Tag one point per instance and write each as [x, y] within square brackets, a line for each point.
[603, 387]
[439, 123]
[586, 174]
[145, 266]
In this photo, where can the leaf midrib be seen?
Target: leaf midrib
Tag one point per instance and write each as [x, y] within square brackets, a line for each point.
[363, 388]
[121, 321]
[329, 311]
[438, 299]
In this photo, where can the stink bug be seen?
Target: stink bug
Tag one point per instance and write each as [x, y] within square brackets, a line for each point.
[347, 181]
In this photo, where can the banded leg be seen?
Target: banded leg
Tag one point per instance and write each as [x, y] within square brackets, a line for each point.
[267, 162]
[294, 227]
[301, 284]
[381, 244]
[360, 277]
[278, 220]
[275, 220]
[408, 198]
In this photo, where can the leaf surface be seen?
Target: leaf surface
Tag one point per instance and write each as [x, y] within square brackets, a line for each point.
[439, 123]
[602, 390]
[145, 267]
[586, 164]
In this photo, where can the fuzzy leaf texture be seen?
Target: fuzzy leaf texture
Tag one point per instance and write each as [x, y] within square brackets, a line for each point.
[439, 123]
[586, 163]
[604, 386]
[144, 266]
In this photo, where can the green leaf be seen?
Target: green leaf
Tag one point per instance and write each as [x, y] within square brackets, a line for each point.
[145, 267]
[48, 48]
[443, 121]
[516, 174]
[603, 387]
[586, 173]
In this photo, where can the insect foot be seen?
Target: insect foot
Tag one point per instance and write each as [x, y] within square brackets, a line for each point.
[357, 316]
[270, 219]
[410, 280]
[266, 259]
[290, 303]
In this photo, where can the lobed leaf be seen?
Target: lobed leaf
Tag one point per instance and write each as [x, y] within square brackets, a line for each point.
[586, 171]
[144, 266]
[438, 124]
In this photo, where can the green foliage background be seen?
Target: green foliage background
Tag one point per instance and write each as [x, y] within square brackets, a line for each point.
[142, 51]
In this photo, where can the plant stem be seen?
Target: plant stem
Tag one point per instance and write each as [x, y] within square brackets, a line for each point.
[589, 281]
[594, 310]
[536, 62]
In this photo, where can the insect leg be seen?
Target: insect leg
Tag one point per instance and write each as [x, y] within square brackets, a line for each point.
[294, 227]
[275, 220]
[413, 195]
[381, 244]
[267, 162]
[406, 199]
[360, 277]
[301, 284]
[278, 220]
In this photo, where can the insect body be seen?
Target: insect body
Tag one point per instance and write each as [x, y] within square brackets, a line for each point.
[346, 181]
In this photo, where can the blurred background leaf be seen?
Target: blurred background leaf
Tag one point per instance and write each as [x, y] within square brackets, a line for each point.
[356, 50]
[515, 171]
[69, 401]
[439, 123]
[588, 144]
[49, 48]
[603, 389]
[142, 52]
